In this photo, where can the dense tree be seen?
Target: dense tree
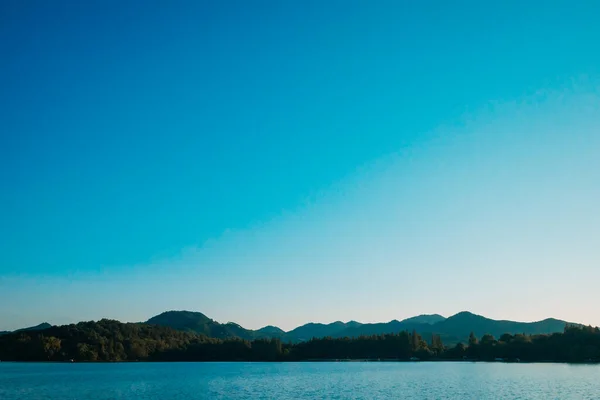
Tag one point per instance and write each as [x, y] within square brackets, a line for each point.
[487, 340]
[415, 341]
[506, 338]
[107, 340]
[472, 339]
[437, 347]
[458, 352]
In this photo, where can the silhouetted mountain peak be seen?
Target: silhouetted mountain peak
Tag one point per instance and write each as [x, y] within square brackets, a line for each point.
[460, 324]
[271, 330]
[187, 321]
[551, 320]
[189, 315]
[429, 319]
[465, 314]
[42, 326]
[453, 329]
[197, 322]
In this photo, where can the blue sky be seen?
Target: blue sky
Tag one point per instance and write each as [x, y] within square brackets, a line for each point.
[285, 162]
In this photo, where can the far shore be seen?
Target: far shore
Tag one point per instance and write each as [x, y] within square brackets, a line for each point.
[319, 360]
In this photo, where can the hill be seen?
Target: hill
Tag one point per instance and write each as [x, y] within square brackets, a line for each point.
[375, 329]
[270, 331]
[108, 340]
[196, 322]
[452, 330]
[424, 319]
[457, 327]
[105, 340]
[461, 324]
[42, 326]
[316, 330]
[199, 323]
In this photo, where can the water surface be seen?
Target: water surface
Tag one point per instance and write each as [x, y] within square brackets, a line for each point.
[344, 380]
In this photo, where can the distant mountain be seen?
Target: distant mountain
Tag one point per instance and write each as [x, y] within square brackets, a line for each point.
[197, 322]
[183, 321]
[231, 329]
[395, 326]
[463, 323]
[107, 340]
[270, 331]
[457, 327]
[42, 326]
[452, 330]
[424, 319]
[375, 329]
[315, 330]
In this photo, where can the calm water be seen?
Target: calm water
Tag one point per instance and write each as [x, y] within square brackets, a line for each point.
[298, 381]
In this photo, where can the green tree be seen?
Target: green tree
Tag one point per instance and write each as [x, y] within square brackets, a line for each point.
[473, 349]
[415, 341]
[488, 339]
[86, 353]
[436, 344]
[51, 346]
[506, 338]
[108, 340]
[472, 340]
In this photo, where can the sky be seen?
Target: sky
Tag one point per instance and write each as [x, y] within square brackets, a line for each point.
[275, 163]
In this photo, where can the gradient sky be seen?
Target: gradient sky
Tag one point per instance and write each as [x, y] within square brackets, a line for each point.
[282, 162]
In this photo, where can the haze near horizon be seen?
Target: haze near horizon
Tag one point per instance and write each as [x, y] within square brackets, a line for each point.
[275, 164]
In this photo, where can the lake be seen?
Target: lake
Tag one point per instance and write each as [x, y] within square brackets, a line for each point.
[321, 380]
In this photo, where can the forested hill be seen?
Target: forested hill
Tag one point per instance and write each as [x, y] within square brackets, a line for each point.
[39, 327]
[453, 329]
[461, 324]
[108, 340]
[196, 322]
[105, 340]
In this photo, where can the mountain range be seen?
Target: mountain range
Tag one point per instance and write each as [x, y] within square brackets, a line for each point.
[452, 330]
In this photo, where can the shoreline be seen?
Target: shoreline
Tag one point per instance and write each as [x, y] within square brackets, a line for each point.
[361, 360]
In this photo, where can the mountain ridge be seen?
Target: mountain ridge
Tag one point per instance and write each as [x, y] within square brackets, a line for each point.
[110, 340]
[425, 319]
[39, 327]
[453, 329]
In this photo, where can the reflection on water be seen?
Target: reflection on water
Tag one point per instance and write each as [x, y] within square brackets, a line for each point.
[298, 381]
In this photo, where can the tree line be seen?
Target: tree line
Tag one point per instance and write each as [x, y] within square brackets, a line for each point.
[109, 340]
